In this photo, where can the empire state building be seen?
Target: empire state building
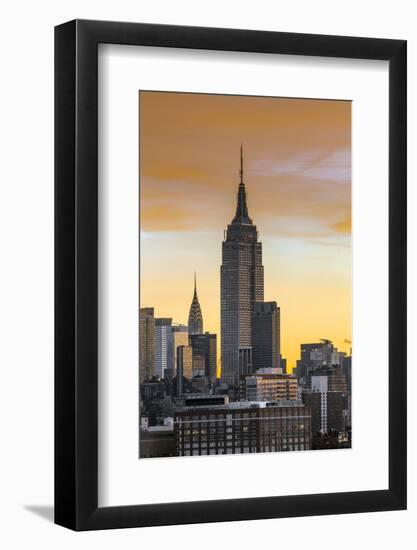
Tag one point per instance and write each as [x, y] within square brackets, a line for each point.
[241, 285]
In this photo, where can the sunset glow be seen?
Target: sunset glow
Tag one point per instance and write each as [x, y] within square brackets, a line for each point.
[297, 172]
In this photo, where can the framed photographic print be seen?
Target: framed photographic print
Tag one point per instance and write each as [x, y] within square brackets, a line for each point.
[230, 338]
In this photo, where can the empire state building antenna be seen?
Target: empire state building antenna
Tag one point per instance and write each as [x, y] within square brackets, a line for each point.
[241, 163]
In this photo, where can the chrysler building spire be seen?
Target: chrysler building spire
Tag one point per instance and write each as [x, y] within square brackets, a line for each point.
[195, 317]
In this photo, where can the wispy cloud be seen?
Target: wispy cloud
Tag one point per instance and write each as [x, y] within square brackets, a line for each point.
[296, 163]
[316, 164]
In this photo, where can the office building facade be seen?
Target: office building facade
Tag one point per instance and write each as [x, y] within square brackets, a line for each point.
[268, 387]
[242, 427]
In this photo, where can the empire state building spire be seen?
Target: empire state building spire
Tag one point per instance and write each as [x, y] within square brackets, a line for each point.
[241, 216]
[241, 286]
[195, 317]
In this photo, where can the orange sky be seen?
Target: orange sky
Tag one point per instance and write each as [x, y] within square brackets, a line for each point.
[297, 171]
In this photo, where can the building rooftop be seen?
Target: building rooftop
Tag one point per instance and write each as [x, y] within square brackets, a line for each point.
[234, 405]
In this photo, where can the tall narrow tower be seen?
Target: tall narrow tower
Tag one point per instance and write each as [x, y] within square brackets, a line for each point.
[147, 346]
[195, 317]
[242, 284]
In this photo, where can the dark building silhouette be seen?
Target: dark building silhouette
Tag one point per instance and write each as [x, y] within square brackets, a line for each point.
[184, 367]
[204, 348]
[327, 396]
[147, 344]
[195, 317]
[152, 390]
[266, 336]
[203, 400]
[241, 285]
[158, 439]
[347, 371]
[245, 361]
[157, 442]
[328, 410]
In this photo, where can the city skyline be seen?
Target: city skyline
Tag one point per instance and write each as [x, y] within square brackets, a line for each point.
[298, 193]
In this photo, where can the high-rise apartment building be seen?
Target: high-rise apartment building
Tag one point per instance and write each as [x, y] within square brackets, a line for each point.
[164, 346]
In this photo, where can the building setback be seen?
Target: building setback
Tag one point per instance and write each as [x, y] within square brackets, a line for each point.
[147, 345]
[241, 285]
[242, 427]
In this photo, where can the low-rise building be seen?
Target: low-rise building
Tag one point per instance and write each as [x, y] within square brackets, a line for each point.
[157, 441]
[242, 427]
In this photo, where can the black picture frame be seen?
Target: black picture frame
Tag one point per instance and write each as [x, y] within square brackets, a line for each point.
[76, 272]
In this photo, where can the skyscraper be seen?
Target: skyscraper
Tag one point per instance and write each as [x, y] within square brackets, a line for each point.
[241, 285]
[205, 347]
[147, 349]
[266, 336]
[164, 346]
[195, 317]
